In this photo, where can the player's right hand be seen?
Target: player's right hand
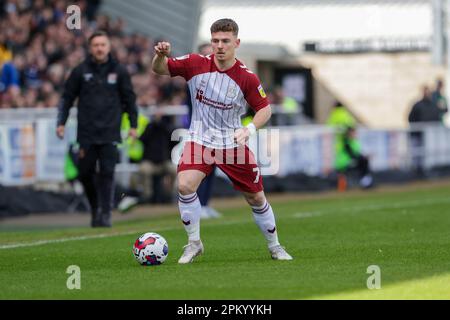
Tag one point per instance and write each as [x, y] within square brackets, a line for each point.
[162, 49]
[60, 132]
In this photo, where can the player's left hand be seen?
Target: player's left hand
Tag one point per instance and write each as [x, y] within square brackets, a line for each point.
[241, 136]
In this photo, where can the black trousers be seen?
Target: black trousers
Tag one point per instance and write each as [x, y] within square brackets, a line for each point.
[96, 164]
[417, 150]
[362, 164]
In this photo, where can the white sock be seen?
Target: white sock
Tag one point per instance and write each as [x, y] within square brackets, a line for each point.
[265, 220]
[190, 209]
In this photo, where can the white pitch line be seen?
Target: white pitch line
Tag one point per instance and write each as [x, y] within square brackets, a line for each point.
[295, 215]
[94, 236]
[42, 242]
[306, 214]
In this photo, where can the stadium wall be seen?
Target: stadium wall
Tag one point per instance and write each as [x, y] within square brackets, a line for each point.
[379, 88]
[171, 20]
[31, 153]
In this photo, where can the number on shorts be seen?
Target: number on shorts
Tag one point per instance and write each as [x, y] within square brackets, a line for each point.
[257, 174]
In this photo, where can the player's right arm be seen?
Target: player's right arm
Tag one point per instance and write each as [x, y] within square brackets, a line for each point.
[159, 63]
[71, 92]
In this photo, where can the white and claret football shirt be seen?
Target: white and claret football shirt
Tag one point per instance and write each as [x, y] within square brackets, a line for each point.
[219, 98]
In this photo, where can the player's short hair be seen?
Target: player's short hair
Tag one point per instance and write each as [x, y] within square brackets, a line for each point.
[98, 33]
[225, 25]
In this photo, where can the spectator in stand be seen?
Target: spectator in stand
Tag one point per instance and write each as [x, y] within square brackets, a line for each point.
[9, 81]
[423, 111]
[35, 40]
[439, 98]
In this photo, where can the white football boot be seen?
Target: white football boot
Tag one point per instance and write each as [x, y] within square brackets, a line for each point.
[191, 250]
[279, 253]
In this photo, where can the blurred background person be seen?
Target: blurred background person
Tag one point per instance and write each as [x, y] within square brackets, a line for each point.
[154, 182]
[156, 170]
[9, 81]
[349, 157]
[347, 148]
[289, 110]
[424, 111]
[340, 118]
[104, 91]
[439, 98]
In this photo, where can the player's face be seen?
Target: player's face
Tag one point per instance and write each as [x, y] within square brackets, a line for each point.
[100, 48]
[224, 45]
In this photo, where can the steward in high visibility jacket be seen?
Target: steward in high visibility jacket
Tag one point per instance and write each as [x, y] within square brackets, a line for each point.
[134, 146]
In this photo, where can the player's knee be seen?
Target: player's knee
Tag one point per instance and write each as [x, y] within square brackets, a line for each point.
[256, 199]
[185, 187]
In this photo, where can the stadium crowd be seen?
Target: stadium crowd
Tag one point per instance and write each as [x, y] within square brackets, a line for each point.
[38, 51]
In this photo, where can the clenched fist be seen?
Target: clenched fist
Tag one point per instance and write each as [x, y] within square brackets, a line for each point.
[162, 49]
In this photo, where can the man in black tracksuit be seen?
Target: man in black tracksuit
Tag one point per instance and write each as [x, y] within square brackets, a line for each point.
[104, 91]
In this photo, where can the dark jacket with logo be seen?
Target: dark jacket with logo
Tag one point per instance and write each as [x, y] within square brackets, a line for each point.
[104, 92]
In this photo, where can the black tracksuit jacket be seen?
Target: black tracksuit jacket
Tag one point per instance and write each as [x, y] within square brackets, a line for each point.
[104, 92]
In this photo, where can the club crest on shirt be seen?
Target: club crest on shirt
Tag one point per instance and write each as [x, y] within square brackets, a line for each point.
[261, 91]
[87, 76]
[231, 92]
[112, 78]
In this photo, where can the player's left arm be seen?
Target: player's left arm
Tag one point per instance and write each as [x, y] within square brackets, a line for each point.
[256, 98]
[261, 117]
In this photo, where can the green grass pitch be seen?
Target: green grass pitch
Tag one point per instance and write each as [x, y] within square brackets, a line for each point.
[333, 238]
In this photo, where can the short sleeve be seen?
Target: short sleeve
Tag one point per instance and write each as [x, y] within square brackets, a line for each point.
[187, 66]
[178, 66]
[254, 93]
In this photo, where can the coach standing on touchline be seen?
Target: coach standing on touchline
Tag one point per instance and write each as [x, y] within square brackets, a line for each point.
[104, 91]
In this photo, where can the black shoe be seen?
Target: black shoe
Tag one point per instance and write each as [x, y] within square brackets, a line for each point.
[105, 220]
[96, 220]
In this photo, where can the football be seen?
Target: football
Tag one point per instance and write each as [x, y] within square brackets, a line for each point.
[150, 249]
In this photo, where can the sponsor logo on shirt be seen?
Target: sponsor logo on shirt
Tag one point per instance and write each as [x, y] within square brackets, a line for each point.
[212, 103]
[261, 91]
